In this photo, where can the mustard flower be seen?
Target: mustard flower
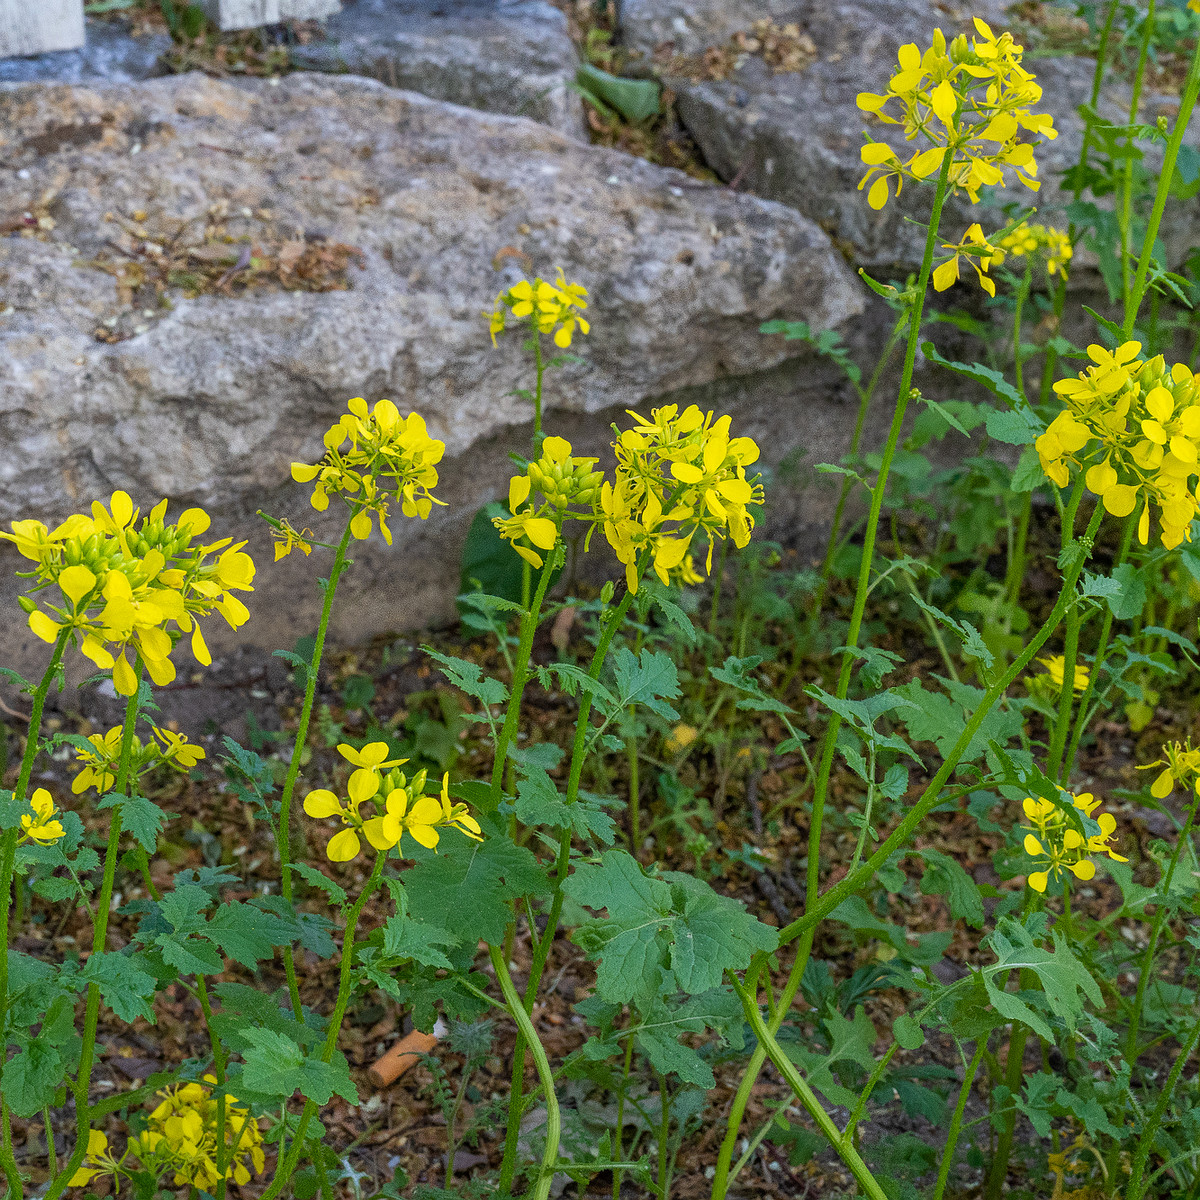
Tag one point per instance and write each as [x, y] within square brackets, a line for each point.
[562, 479]
[980, 253]
[122, 584]
[972, 101]
[1057, 846]
[1134, 426]
[374, 457]
[1180, 765]
[99, 1160]
[1056, 667]
[679, 476]
[1027, 239]
[100, 763]
[42, 824]
[547, 307]
[398, 805]
[286, 539]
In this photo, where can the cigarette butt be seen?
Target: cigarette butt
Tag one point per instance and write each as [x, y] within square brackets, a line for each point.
[403, 1055]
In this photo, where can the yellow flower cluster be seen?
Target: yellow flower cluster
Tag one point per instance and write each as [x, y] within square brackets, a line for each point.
[42, 824]
[979, 252]
[123, 584]
[1028, 239]
[1181, 766]
[548, 307]
[972, 100]
[1136, 425]
[399, 806]
[100, 763]
[387, 458]
[678, 475]
[1050, 682]
[1057, 846]
[181, 1138]
[561, 479]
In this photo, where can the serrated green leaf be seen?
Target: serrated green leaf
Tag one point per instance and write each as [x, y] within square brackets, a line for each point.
[245, 1007]
[467, 887]
[124, 986]
[404, 938]
[139, 816]
[246, 934]
[32, 1076]
[945, 876]
[935, 717]
[906, 1029]
[189, 955]
[276, 1066]
[737, 673]
[319, 879]
[539, 802]
[469, 677]
[650, 680]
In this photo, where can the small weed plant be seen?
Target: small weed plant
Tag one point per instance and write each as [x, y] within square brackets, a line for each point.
[1064, 1032]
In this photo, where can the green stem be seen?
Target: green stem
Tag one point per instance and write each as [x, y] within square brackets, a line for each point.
[8, 861]
[1100, 656]
[1062, 721]
[619, 1131]
[864, 403]
[1125, 215]
[219, 1063]
[1187, 102]
[283, 835]
[537, 394]
[1136, 1189]
[612, 622]
[1018, 361]
[516, 1009]
[956, 1119]
[288, 1163]
[91, 1019]
[512, 715]
[844, 1146]
[664, 1136]
[1160, 918]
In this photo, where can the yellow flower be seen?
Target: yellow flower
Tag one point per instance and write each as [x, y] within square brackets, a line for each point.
[398, 805]
[1056, 668]
[287, 539]
[1134, 426]
[680, 738]
[547, 307]
[98, 1160]
[980, 254]
[1181, 765]
[374, 457]
[971, 101]
[1028, 239]
[1057, 846]
[100, 763]
[126, 584]
[42, 826]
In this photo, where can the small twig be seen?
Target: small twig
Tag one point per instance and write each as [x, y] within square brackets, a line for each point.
[12, 712]
[766, 885]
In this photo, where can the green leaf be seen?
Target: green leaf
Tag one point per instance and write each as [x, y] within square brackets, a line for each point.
[468, 677]
[906, 1029]
[852, 1042]
[123, 985]
[319, 879]
[672, 933]
[32, 1076]
[936, 717]
[573, 681]
[467, 887]
[246, 934]
[659, 595]
[636, 100]
[539, 802]
[183, 908]
[945, 876]
[1129, 600]
[139, 816]
[276, 1066]
[736, 672]
[189, 955]
[649, 681]
[404, 938]
[662, 1025]
[245, 1007]
[1016, 428]
[991, 379]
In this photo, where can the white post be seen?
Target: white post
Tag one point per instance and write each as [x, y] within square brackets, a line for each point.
[35, 26]
[248, 14]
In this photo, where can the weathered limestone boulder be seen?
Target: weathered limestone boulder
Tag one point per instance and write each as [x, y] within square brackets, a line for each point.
[109, 52]
[794, 136]
[421, 212]
[506, 56]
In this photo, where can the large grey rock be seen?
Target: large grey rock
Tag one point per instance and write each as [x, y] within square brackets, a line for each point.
[691, 26]
[110, 52]
[212, 397]
[33, 26]
[795, 136]
[506, 56]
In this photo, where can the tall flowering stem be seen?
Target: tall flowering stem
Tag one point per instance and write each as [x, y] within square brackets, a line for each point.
[8, 854]
[283, 833]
